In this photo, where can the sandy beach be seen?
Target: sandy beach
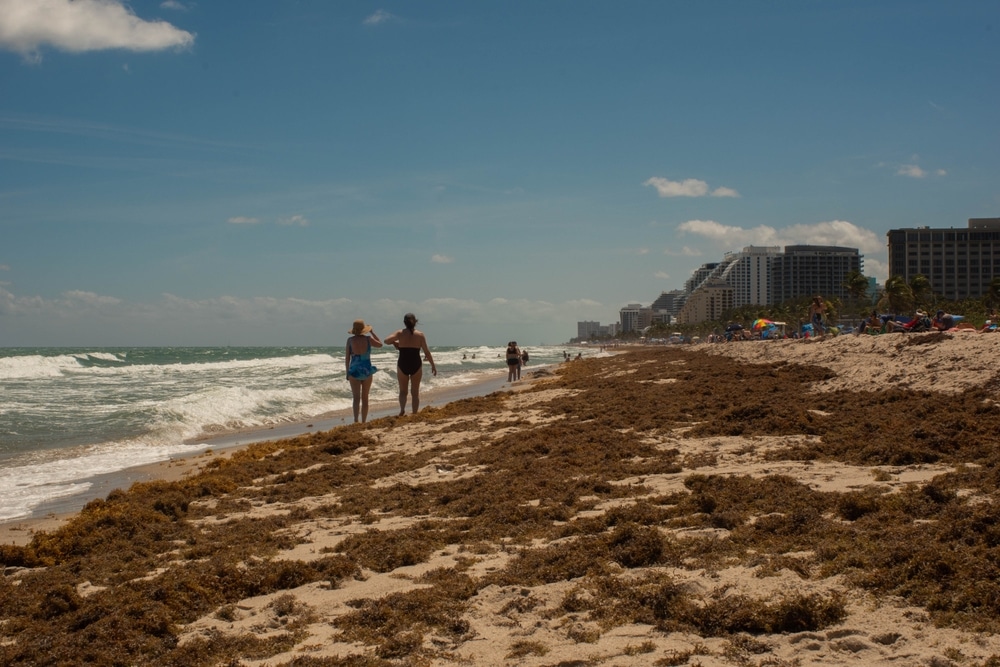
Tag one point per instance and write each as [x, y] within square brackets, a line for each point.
[817, 502]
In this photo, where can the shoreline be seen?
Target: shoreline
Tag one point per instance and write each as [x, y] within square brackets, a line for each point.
[51, 515]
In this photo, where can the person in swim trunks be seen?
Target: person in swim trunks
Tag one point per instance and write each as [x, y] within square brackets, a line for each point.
[358, 358]
[409, 367]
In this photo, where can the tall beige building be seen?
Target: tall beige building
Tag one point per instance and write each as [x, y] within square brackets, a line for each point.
[959, 263]
[708, 302]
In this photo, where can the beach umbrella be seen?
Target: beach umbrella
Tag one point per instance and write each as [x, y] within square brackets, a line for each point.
[761, 323]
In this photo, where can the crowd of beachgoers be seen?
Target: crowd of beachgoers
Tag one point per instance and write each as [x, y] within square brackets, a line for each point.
[874, 323]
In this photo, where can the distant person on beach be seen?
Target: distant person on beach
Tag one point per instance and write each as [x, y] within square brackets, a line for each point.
[513, 361]
[409, 367]
[873, 324]
[919, 322]
[942, 321]
[816, 310]
[524, 357]
[992, 321]
[358, 359]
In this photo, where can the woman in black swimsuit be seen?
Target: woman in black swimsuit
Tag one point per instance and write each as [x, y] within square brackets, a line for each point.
[409, 368]
[513, 361]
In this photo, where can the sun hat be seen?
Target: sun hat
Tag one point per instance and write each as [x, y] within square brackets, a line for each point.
[360, 328]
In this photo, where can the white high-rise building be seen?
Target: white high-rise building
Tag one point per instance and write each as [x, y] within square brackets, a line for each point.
[748, 272]
[767, 275]
[751, 275]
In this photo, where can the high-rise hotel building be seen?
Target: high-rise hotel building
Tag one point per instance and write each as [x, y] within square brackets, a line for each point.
[959, 263]
[810, 270]
[767, 275]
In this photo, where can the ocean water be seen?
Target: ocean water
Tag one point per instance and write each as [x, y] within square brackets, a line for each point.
[70, 415]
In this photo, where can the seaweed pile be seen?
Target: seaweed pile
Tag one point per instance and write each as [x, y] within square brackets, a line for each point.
[585, 503]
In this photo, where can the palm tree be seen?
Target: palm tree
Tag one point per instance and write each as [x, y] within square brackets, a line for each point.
[782, 312]
[897, 296]
[920, 288]
[856, 285]
[993, 293]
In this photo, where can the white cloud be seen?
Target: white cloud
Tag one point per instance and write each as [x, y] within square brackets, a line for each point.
[294, 220]
[4, 267]
[379, 17]
[79, 26]
[689, 187]
[725, 192]
[584, 303]
[685, 251]
[642, 251]
[90, 298]
[173, 4]
[442, 259]
[877, 268]
[242, 220]
[911, 170]
[729, 235]
[10, 304]
[834, 232]
[914, 170]
[662, 274]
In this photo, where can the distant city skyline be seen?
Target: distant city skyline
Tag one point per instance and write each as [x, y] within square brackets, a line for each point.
[264, 173]
[757, 275]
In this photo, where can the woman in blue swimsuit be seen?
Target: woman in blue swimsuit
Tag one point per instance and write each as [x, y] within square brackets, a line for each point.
[409, 368]
[359, 365]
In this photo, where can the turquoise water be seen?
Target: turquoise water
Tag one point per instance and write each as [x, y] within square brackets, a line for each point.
[67, 415]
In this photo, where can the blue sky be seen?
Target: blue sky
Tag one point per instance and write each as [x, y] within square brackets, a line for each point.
[265, 172]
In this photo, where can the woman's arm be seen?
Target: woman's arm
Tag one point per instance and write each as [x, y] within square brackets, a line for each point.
[427, 353]
[393, 339]
[375, 341]
[347, 356]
